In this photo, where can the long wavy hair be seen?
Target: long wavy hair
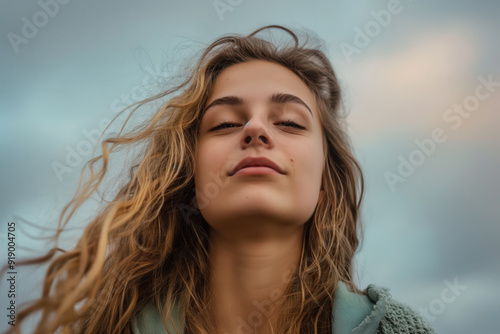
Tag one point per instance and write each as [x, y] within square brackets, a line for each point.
[149, 244]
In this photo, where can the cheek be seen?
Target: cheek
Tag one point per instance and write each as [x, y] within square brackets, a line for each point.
[308, 168]
[201, 162]
[308, 160]
[210, 160]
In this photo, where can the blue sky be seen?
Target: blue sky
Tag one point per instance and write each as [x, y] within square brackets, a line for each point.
[401, 82]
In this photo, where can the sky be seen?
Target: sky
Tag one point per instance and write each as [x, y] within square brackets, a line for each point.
[421, 84]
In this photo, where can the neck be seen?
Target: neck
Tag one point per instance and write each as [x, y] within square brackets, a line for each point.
[248, 279]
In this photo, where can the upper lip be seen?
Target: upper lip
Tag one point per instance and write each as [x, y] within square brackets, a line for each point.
[256, 162]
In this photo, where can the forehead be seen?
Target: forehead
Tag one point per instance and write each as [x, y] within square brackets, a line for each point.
[256, 80]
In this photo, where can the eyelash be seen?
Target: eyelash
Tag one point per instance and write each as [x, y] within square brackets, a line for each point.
[220, 125]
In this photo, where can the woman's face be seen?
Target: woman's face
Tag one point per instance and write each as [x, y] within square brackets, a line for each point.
[259, 199]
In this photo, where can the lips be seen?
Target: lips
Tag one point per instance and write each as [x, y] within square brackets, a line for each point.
[255, 162]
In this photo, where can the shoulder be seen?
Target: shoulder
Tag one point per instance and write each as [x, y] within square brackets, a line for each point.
[149, 321]
[374, 312]
[391, 316]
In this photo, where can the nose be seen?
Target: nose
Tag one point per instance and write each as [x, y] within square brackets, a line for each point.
[255, 133]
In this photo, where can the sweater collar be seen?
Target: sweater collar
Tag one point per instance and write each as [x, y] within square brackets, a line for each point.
[359, 314]
[353, 313]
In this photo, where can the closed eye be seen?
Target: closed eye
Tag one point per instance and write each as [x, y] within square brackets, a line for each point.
[225, 125]
[292, 124]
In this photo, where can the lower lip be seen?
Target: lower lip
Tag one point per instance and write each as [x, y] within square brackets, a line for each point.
[256, 171]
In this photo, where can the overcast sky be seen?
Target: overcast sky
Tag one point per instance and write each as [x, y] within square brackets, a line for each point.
[406, 67]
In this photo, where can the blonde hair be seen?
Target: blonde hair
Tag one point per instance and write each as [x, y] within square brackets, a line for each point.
[149, 244]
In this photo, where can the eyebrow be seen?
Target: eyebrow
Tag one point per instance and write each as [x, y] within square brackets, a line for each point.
[280, 98]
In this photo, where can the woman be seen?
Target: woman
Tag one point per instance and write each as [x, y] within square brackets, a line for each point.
[241, 216]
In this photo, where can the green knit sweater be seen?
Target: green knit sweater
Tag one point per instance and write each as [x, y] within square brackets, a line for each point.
[377, 313]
